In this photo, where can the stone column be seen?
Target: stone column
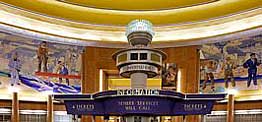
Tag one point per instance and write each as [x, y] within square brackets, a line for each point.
[138, 81]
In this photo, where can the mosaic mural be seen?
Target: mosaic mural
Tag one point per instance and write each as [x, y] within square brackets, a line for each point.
[234, 64]
[39, 66]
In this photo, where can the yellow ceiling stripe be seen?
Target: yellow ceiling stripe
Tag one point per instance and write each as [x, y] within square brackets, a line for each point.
[116, 17]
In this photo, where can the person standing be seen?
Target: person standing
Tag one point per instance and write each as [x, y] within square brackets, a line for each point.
[42, 55]
[209, 69]
[252, 64]
[69, 57]
[62, 70]
[14, 67]
[228, 67]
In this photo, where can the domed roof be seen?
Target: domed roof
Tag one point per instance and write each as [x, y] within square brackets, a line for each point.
[105, 20]
[137, 5]
[120, 12]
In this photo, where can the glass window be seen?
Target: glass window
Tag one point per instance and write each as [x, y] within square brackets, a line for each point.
[134, 56]
[155, 57]
[143, 56]
[122, 58]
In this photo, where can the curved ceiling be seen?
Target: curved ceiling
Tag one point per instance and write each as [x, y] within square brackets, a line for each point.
[102, 22]
[137, 5]
[93, 12]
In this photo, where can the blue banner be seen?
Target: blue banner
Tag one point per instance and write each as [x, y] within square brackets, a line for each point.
[163, 104]
[138, 105]
[192, 107]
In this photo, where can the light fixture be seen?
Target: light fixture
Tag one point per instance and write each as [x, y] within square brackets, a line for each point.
[232, 91]
[100, 80]
[49, 92]
[33, 112]
[254, 111]
[179, 80]
[12, 89]
[5, 111]
[61, 113]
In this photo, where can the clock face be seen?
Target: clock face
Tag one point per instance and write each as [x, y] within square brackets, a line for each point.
[140, 26]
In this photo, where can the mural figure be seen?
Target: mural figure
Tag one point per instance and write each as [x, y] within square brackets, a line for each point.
[169, 76]
[61, 69]
[2, 46]
[69, 59]
[209, 69]
[14, 67]
[228, 67]
[238, 72]
[42, 55]
[39, 73]
[252, 64]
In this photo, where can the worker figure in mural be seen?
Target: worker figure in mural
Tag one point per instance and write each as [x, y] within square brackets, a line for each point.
[14, 67]
[62, 70]
[2, 46]
[209, 69]
[42, 55]
[69, 59]
[228, 68]
[252, 64]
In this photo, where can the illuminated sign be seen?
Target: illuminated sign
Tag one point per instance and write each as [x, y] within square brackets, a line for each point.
[139, 101]
[137, 92]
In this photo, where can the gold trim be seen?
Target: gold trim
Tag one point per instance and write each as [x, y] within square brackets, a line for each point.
[117, 17]
[129, 9]
[111, 36]
[117, 43]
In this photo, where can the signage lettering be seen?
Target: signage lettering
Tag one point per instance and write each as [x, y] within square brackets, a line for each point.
[139, 67]
[137, 92]
[137, 105]
[141, 101]
[194, 107]
[81, 107]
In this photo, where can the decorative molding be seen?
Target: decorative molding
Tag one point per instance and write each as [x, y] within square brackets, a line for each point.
[153, 9]
[56, 39]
